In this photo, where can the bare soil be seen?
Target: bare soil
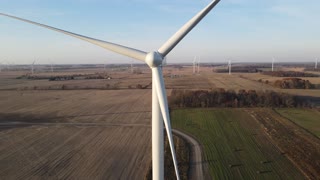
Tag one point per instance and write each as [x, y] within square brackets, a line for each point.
[75, 134]
[84, 133]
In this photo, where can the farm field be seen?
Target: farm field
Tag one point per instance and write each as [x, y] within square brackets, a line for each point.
[120, 80]
[101, 128]
[75, 134]
[174, 79]
[237, 81]
[306, 118]
[271, 79]
[301, 92]
[297, 144]
[235, 146]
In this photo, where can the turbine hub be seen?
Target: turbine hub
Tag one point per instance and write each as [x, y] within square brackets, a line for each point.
[154, 59]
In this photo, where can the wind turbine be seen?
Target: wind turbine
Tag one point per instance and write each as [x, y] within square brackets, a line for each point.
[199, 65]
[229, 66]
[272, 63]
[164, 62]
[32, 67]
[160, 112]
[316, 64]
[194, 64]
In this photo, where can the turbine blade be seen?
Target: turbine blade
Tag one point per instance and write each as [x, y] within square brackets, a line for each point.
[162, 97]
[184, 30]
[130, 52]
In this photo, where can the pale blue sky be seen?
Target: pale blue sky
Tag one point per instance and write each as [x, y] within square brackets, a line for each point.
[243, 30]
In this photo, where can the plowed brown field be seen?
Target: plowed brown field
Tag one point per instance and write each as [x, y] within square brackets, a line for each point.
[75, 134]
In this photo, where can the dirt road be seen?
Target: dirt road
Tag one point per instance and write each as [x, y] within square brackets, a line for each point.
[196, 163]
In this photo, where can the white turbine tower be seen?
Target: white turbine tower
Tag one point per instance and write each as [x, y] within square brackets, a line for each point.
[315, 65]
[199, 65]
[194, 64]
[32, 67]
[160, 112]
[272, 65]
[229, 66]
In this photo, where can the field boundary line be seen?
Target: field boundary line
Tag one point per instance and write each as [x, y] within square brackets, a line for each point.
[275, 111]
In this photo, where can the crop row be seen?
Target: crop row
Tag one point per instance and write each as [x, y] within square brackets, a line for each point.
[234, 145]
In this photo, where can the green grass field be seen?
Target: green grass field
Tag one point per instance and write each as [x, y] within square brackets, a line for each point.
[234, 145]
[306, 118]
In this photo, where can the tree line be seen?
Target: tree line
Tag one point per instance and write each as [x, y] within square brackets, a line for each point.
[294, 83]
[239, 69]
[230, 98]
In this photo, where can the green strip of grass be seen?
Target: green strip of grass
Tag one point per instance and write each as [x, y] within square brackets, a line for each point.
[306, 118]
[231, 150]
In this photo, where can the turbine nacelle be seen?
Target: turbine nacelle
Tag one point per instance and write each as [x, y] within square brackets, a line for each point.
[154, 59]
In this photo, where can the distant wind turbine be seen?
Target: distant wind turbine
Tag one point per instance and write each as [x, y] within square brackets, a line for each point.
[199, 65]
[194, 65]
[154, 59]
[104, 67]
[229, 66]
[316, 64]
[32, 67]
[272, 66]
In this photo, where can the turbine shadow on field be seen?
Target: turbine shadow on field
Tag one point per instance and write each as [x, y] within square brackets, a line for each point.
[7, 127]
[50, 118]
